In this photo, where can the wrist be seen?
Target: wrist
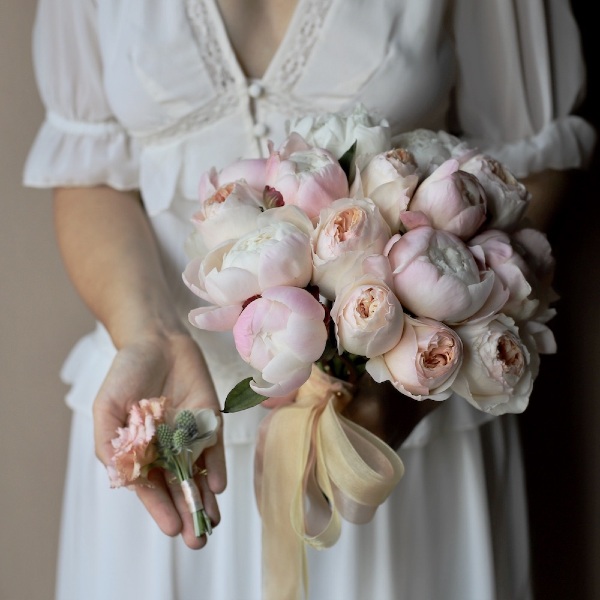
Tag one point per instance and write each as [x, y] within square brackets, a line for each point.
[146, 319]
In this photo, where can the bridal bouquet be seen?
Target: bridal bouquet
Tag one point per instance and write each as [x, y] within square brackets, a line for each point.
[347, 251]
[408, 259]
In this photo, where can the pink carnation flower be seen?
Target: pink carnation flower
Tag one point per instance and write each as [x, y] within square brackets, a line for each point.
[134, 447]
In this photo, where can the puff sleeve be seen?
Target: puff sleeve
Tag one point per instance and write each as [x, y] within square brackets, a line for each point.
[80, 143]
[521, 78]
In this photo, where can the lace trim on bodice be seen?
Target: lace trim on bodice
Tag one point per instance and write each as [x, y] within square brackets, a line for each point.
[221, 77]
[299, 48]
[278, 85]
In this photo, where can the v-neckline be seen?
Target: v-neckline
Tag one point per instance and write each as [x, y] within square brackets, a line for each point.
[229, 51]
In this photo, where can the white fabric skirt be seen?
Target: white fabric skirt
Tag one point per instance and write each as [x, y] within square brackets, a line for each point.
[455, 528]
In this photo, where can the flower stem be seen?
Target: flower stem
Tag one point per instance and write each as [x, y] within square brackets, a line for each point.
[202, 523]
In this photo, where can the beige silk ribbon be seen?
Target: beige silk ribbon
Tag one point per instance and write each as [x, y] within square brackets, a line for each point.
[314, 467]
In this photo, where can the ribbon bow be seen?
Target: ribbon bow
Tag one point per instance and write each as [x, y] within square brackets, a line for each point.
[314, 467]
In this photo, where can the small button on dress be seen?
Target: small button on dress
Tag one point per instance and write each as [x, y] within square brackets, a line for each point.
[260, 130]
[256, 90]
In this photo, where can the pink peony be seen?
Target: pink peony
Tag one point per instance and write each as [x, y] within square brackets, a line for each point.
[305, 176]
[436, 276]
[281, 334]
[512, 269]
[424, 363]
[250, 170]
[134, 447]
[431, 148]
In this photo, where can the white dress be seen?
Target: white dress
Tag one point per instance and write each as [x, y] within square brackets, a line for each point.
[147, 94]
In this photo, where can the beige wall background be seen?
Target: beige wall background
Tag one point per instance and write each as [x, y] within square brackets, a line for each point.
[41, 317]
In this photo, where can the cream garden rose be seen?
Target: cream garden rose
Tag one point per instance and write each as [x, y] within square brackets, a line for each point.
[367, 316]
[499, 367]
[389, 179]
[507, 197]
[229, 213]
[347, 232]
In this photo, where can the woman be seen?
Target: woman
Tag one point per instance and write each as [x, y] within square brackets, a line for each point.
[142, 97]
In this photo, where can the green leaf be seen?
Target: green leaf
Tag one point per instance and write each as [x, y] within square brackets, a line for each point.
[241, 397]
[347, 162]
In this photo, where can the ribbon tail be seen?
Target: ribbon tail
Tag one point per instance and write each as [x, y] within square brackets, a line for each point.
[283, 457]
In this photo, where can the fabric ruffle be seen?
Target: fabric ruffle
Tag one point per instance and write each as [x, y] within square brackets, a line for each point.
[76, 153]
[565, 143]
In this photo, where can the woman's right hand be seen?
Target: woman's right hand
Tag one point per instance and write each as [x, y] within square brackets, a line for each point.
[162, 365]
[111, 255]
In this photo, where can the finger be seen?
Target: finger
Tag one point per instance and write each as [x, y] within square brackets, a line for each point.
[211, 504]
[158, 501]
[214, 461]
[107, 420]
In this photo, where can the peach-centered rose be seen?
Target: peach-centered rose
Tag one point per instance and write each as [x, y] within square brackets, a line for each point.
[348, 231]
[229, 213]
[424, 363]
[367, 316]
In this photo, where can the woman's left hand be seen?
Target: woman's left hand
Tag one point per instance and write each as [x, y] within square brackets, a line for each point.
[384, 411]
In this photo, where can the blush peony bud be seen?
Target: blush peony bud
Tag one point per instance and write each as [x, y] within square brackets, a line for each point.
[512, 269]
[424, 363]
[451, 199]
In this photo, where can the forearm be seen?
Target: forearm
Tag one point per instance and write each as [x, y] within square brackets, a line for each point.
[548, 189]
[110, 255]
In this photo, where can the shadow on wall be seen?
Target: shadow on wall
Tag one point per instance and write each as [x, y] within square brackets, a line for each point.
[562, 452]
